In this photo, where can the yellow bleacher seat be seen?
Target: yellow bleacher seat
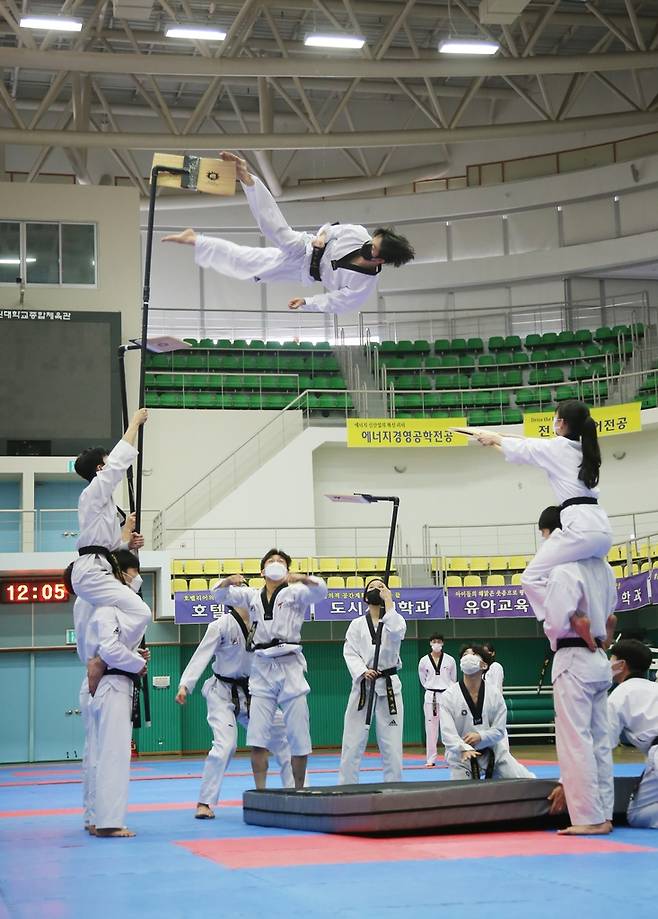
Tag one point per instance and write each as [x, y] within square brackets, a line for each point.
[251, 567]
[299, 564]
[517, 562]
[380, 565]
[618, 571]
[472, 580]
[479, 563]
[257, 583]
[211, 567]
[177, 567]
[347, 564]
[615, 554]
[366, 565]
[516, 578]
[655, 563]
[193, 566]
[327, 564]
[395, 581]
[334, 581]
[198, 584]
[499, 563]
[354, 581]
[453, 580]
[495, 580]
[457, 563]
[231, 566]
[641, 550]
[653, 549]
[645, 566]
[178, 584]
[630, 571]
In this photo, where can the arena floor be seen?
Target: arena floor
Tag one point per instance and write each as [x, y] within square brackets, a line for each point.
[178, 866]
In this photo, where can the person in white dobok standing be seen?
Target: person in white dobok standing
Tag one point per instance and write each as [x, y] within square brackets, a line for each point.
[437, 671]
[381, 630]
[343, 257]
[228, 700]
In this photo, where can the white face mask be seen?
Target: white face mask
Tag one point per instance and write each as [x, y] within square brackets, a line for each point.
[470, 664]
[275, 571]
[436, 646]
[136, 583]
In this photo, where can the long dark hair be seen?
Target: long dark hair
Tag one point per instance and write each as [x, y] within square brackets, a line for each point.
[581, 426]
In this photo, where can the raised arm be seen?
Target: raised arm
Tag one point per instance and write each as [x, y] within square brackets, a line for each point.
[204, 653]
[233, 591]
[308, 588]
[343, 300]
[102, 486]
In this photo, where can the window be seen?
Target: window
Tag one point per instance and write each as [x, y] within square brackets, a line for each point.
[48, 253]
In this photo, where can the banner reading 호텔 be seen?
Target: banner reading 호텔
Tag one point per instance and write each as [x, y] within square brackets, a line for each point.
[405, 432]
[610, 420]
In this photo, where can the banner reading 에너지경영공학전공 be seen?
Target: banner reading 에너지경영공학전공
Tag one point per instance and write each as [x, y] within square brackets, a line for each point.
[405, 432]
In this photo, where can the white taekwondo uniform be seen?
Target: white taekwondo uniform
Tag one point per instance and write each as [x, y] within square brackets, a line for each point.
[359, 654]
[488, 718]
[581, 679]
[435, 678]
[585, 529]
[633, 708]
[278, 667]
[289, 259]
[115, 639]
[227, 700]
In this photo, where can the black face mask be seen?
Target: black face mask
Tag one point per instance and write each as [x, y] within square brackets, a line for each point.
[366, 251]
[373, 597]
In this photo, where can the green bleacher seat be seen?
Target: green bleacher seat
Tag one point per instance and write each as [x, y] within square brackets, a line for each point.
[432, 399]
[451, 360]
[405, 346]
[322, 346]
[512, 378]
[442, 346]
[206, 343]
[215, 361]
[525, 396]
[486, 360]
[449, 400]
[572, 353]
[171, 400]
[208, 400]
[472, 399]
[536, 376]
[475, 419]
[566, 337]
[224, 343]
[532, 341]
[475, 345]
[256, 344]
[467, 361]
[540, 356]
[566, 392]
[152, 399]
[433, 363]
[479, 380]
[580, 372]
[603, 333]
[583, 336]
[554, 375]
[512, 343]
[637, 329]
[512, 416]
[192, 342]
[549, 339]
[598, 390]
[404, 382]
[421, 346]
[458, 345]
[648, 401]
[240, 344]
[592, 351]
[273, 345]
[621, 330]
[191, 399]
[160, 361]
[650, 383]
[494, 416]
[504, 357]
[496, 343]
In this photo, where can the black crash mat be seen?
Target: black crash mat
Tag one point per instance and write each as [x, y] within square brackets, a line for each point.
[407, 807]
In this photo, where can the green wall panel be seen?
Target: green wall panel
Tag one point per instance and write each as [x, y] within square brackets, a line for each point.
[164, 735]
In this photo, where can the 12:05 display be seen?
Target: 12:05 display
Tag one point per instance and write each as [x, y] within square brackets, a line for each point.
[41, 590]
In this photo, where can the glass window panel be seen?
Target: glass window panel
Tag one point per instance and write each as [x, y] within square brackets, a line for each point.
[10, 252]
[42, 253]
[78, 253]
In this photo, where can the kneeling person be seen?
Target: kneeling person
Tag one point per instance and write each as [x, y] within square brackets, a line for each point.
[227, 700]
[384, 629]
[474, 725]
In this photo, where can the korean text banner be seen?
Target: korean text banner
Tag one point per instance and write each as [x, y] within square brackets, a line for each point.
[610, 419]
[405, 432]
[200, 608]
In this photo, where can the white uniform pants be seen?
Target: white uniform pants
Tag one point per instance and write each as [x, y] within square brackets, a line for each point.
[223, 724]
[585, 534]
[279, 681]
[643, 809]
[88, 756]
[506, 767]
[97, 585]
[110, 711]
[431, 729]
[355, 737]
[583, 748]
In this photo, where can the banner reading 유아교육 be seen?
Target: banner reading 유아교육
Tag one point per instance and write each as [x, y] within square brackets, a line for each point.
[610, 420]
[405, 432]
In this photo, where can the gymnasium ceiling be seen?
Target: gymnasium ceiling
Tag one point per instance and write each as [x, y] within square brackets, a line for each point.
[121, 87]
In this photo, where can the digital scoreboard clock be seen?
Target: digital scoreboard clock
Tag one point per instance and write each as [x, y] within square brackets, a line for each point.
[33, 590]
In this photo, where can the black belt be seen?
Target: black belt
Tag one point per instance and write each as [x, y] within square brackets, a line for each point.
[435, 710]
[390, 695]
[577, 643]
[271, 644]
[241, 682]
[654, 743]
[107, 555]
[136, 714]
[571, 502]
[476, 772]
[316, 258]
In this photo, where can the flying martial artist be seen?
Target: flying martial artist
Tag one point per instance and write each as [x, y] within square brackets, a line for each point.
[474, 725]
[227, 700]
[278, 667]
[107, 634]
[345, 258]
[437, 671]
[377, 636]
[578, 593]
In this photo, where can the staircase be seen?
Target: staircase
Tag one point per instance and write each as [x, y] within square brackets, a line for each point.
[369, 399]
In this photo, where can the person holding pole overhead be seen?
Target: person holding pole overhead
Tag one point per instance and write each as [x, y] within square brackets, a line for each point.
[372, 655]
[572, 461]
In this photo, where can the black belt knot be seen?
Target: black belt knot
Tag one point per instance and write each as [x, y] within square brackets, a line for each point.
[241, 682]
[316, 258]
[390, 694]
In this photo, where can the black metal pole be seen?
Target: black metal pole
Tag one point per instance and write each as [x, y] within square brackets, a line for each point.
[124, 413]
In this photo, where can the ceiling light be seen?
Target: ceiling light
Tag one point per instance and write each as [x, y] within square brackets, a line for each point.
[334, 41]
[200, 32]
[468, 46]
[14, 261]
[51, 23]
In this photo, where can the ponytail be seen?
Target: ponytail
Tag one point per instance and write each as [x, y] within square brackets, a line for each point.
[591, 464]
[581, 426]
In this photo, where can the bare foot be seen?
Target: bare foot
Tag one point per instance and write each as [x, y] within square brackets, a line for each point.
[592, 829]
[429, 765]
[241, 168]
[610, 629]
[203, 812]
[95, 670]
[90, 828]
[186, 238]
[118, 832]
[581, 626]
